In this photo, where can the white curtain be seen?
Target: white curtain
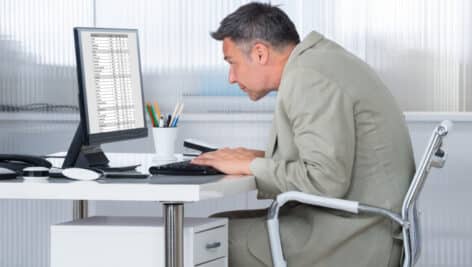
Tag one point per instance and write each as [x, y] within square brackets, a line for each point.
[420, 48]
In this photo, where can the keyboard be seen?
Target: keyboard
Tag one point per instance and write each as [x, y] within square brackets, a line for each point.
[183, 168]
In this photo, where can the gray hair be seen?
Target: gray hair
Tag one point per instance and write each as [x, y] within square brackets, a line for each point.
[258, 22]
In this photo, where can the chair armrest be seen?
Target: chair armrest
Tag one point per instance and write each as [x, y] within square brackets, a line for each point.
[273, 221]
[326, 202]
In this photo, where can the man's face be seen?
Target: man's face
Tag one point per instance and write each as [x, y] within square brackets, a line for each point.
[246, 71]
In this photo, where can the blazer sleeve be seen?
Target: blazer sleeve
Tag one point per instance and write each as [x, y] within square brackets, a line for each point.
[322, 121]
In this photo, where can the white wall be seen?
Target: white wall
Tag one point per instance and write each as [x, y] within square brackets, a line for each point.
[420, 49]
[444, 203]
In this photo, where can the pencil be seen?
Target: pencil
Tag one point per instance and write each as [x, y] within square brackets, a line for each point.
[156, 122]
[177, 106]
[148, 107]
[156, 108]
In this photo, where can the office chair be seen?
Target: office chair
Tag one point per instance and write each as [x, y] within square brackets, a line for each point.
[434, 156]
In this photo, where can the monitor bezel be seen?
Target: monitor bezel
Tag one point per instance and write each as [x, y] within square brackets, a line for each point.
[113, 136]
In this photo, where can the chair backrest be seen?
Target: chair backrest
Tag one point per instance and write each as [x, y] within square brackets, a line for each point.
[434, 156]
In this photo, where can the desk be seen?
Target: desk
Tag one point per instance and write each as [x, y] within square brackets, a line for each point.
[172, 196]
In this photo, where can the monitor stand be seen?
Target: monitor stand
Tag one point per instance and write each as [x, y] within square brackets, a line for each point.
[91, 156]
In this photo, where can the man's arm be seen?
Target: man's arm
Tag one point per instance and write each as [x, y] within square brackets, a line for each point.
[322, 119]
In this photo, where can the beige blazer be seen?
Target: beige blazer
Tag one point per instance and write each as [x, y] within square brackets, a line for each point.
[337, 132]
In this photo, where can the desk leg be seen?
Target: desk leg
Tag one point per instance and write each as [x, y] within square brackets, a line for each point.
[79, 209]
[173, 227]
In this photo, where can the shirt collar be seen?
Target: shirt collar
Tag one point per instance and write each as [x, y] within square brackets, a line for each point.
[310, 40]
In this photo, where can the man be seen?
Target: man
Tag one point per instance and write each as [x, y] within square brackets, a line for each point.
[337, 132]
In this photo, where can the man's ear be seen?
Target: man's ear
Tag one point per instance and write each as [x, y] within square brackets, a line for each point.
[260, 53]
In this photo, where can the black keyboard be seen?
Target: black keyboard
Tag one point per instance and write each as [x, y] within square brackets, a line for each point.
[183, 168]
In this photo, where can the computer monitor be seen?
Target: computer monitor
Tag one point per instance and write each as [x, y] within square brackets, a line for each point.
[110, 93]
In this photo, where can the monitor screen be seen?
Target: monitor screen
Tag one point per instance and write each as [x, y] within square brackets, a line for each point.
[111, 87]
[110, 92]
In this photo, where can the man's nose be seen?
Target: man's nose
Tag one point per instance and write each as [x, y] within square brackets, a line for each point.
[231, 76]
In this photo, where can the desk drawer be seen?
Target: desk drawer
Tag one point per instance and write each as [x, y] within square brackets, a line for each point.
[136, 241]
[211, 244]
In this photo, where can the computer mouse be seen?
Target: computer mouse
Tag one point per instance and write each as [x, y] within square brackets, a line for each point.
[81, 174]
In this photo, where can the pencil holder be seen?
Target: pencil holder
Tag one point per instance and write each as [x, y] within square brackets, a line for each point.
[164, 143]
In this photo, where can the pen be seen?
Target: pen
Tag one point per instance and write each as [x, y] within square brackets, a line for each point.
[172, 118]
[177, 116]
[161, 121]
[175, 122]
[168, 120]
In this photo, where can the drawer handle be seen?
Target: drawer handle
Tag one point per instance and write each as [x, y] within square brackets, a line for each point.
[213, 245]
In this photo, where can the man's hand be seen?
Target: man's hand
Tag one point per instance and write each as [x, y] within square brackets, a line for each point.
[229, 160]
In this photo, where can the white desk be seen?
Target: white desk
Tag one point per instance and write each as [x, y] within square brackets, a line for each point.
[172, 196]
